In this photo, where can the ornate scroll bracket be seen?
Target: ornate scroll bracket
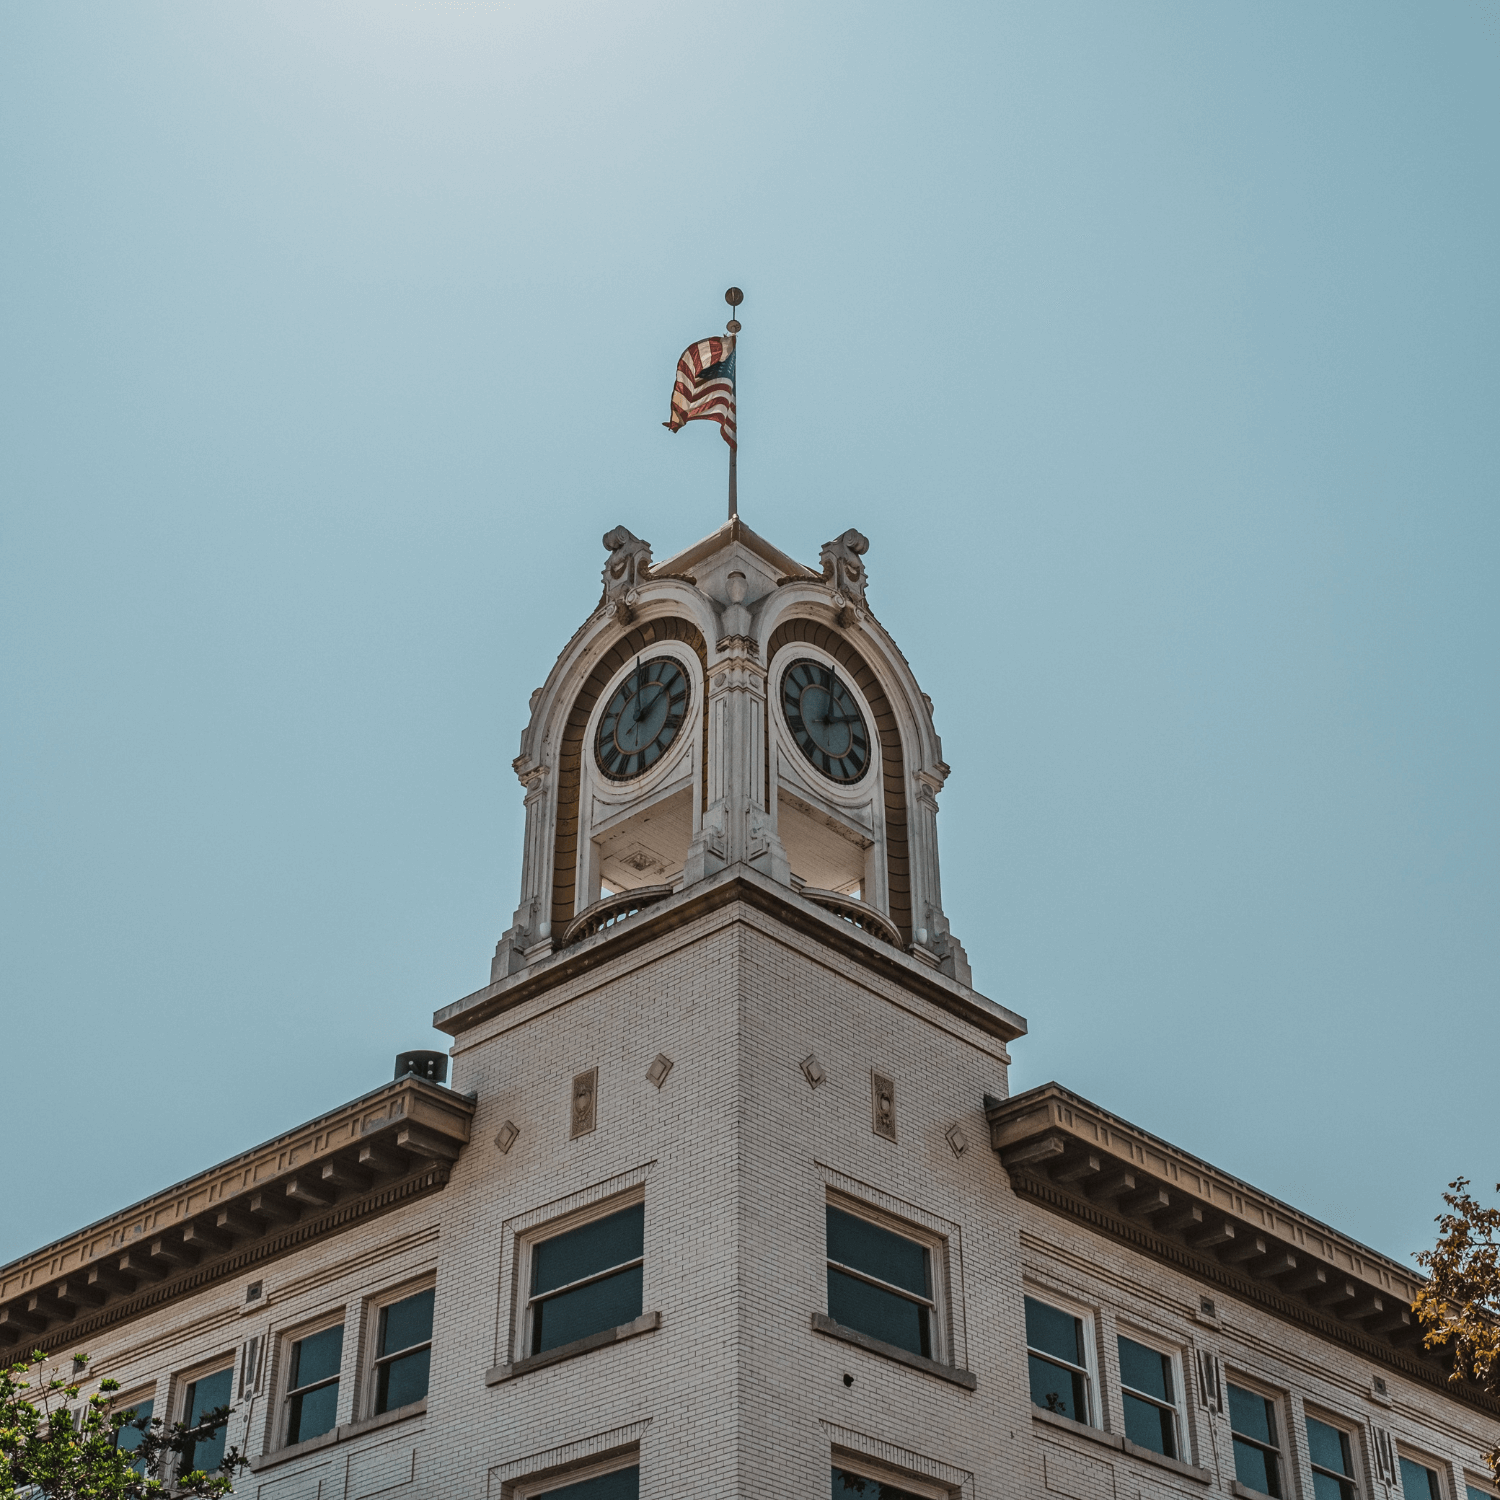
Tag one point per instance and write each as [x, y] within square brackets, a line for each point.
[628, 567]
[844, 574]
[530, 773]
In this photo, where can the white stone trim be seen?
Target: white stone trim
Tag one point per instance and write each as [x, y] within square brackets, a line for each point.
[857, 1444]
[513, 1233]
[583, 1198]
[566, 1456]
[951, 1273]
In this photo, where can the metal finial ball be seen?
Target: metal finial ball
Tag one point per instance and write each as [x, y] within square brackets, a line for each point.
[734, 296]
[732, 326]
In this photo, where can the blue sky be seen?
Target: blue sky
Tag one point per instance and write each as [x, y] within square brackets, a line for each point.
[1153, 347]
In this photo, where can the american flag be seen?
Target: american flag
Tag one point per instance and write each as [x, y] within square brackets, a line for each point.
[704, 391]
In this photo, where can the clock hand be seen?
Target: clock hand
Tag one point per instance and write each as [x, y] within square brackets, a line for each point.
[640, 712]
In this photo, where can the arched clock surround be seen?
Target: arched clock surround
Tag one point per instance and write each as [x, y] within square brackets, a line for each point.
[887, 734]
[574, 745]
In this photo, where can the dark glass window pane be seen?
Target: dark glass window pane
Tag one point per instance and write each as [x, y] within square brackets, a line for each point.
[129, 1438]
[881, 1314]
[1254, 1416]
[312, 1413]
[1326, 1487]
[589, 1249]
[622, 1484]
[317, 1357]
[401, 1381]
[1418, 1482]
[1056, 1389]
[1143, 1369]
[204, 1396]
[1054, 1331]
[1470, 1493]
[1257, 1469]
[1150, 1426]
[586, 1309]
[845, 1485]
[1328, 1447]
[405, 1323]
[867, 1247]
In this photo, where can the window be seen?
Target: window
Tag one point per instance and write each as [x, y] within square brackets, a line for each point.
[1332, 1462]
[312, 1384]
[1149, 1396]
[204, 1396]
[880, 1283]
[1473, 1492]
[403, 1351]
[1257, 1451]
[1418, 1482]
[846, 1484]
[1057, 1357]
[616, 1484]
[129, 1437]
[586, 1280]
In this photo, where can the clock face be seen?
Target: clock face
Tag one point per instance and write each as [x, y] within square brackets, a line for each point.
[825, 721]
[642, 719]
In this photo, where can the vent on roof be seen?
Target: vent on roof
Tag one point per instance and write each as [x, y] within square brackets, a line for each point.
[433, 1066]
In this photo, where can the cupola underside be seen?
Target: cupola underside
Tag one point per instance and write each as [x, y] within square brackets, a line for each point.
[730, 706]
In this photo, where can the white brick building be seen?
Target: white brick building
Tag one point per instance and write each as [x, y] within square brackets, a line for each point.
[727, 1194]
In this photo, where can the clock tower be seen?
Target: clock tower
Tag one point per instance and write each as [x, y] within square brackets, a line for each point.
[729, 1195]
[730, 706]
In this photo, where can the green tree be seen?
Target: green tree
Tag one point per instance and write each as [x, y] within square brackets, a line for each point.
[51, 1447]
[1459, 1307]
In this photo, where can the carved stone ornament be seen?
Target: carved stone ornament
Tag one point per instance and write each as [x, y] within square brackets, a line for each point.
[958, 1142]
[656, 1074]
[507, 1136]
[582, 1108]
[882, 1106]
[844, 572]
[812, 1070]
[735, 617]
[628, 567]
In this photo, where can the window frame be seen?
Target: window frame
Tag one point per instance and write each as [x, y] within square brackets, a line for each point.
[863, 1467]
[1280, 1412]
[370, 1358]
[1350, 1430]
[1088, 1317]
[1422, 1461]
[288, 1339]
[1178, 1406]
[526, 1247]
[534, 1489]
[133, 1400]
[940, 1330]
[184, 1381]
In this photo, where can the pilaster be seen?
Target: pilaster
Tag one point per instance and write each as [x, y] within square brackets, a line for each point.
[736, 825]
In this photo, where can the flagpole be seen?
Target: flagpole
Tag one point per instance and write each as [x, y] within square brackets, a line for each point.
[734, 296]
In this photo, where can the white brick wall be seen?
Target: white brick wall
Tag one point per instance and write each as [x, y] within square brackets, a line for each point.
[735, 1395]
